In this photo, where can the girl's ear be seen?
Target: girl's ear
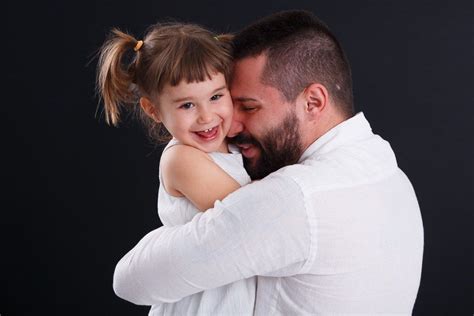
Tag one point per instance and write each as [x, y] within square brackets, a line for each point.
[150, 109]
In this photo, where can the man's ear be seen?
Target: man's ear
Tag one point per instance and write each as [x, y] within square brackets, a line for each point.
[150, 109]
[316, 99]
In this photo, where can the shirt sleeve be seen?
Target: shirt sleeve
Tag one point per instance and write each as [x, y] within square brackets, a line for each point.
[260, 229]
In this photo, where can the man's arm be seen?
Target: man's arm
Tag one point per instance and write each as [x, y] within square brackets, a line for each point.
[259, 229]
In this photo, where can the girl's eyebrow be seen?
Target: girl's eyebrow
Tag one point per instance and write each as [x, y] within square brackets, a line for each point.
[220, 88]
[181, 99]
[190, 98]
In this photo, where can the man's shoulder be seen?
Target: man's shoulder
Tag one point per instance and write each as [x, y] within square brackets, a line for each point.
[303, 174]
[346, 167]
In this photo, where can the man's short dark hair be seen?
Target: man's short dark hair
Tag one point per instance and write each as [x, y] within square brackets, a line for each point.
[300, 50]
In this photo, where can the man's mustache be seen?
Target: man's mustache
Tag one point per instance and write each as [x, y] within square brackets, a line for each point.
[244, 139]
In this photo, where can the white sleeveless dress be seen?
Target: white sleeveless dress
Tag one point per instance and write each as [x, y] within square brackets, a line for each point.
[236, 298]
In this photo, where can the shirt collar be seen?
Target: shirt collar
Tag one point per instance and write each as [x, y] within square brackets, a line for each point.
[355, 128]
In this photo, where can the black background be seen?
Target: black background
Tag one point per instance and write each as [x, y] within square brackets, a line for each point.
[78, 194]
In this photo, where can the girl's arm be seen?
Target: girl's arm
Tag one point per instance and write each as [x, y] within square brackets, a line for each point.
[187, 171]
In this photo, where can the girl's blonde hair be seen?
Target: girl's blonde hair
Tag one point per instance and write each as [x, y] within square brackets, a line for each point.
[169, 53]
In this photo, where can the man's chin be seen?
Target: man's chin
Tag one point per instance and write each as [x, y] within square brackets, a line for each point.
[251, 165]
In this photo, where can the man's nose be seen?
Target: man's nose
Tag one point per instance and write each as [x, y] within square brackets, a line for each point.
[236, 127]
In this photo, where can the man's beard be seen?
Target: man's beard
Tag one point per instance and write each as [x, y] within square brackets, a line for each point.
[280, 146]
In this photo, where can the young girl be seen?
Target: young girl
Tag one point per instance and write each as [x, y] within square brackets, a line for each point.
[178, 75]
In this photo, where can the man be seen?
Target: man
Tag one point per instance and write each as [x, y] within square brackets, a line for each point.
[332, 227]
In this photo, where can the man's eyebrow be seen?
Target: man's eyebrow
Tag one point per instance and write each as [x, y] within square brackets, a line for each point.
[244, 99]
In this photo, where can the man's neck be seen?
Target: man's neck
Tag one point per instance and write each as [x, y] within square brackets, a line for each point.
[324, 125]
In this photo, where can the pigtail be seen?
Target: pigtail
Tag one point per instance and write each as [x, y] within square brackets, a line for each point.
[114, 77]
[225, 41]
[225, 38]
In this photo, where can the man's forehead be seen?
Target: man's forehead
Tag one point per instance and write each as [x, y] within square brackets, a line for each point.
[244, 90]
[246, 76]
[253, 63]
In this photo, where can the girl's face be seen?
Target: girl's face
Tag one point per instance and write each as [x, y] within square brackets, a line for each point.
[198, 114]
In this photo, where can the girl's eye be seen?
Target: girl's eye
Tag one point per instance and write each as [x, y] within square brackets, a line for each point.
[187, 106]
[216, 97]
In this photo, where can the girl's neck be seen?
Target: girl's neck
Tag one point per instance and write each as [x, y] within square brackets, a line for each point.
[223, 148]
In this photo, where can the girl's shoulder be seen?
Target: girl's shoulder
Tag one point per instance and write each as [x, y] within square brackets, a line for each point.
[178, 164]
[178, 155]
[183, 161]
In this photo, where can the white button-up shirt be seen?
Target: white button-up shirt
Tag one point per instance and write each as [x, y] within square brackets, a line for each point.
[338, 233]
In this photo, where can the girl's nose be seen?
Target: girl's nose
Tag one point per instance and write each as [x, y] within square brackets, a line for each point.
[205, 116]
